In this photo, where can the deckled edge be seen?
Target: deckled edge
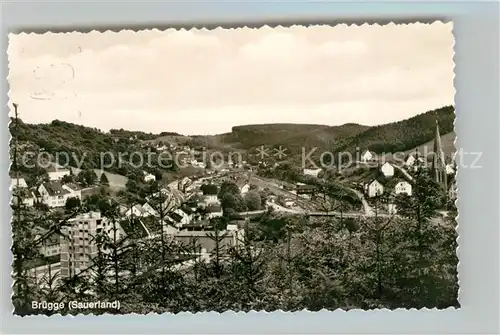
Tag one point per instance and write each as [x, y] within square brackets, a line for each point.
[457, 196]
[10, 192]
[269, 27]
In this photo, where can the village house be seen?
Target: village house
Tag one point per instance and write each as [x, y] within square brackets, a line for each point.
[289, 202]
[27, 197]
[374, 188]
[136, 211]
[18, 182]
[57, 173]
[76, 191]
[311, 172]
[149, 210]
[403, 187]
[210, 199]
[148, 177]
[367, 156]
[53, 194]
[245, 188]
[305, 191]
[387, 169]
[179, 218]
[214, 211]
[51, 245]
[184, 183]
[410, 160]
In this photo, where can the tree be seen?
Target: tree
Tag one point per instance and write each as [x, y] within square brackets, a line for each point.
[104, 179]
[253, 200]
[86, 177]
[209, 189]
[233, 202]
[68, 179]
[228, 187]
[72, 203]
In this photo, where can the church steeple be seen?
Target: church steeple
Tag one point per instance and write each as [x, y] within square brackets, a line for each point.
[438, 162]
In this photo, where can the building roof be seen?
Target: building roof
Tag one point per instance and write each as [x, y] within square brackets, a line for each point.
[176, 217]
[55, 188]
[306, 187]
[375, 180]
[187, 210]
[140, 209]
[73, 186]
[213, 209]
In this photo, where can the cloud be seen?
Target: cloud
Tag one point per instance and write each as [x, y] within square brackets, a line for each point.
[288, 70]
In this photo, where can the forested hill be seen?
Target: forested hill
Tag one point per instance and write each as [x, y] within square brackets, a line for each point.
[291, 136]
[82, 142]
[59, 136]
[403, 135]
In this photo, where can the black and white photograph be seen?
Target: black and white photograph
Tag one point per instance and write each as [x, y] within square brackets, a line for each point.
[287, 168]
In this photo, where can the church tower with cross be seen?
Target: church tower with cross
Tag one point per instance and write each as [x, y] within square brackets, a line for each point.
[438, 161]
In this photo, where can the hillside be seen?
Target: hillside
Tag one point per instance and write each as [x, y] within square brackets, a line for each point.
[403, 135]
[291, 136]
[447, 143]
[83, 145]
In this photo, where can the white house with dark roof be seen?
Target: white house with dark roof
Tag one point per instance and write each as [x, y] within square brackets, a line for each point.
[387, 169]
[214, 211]
[367, 156]
[76, 190]
[179, 218]
[374, 188]
[53, 194]
[149, 210]
[403, 187]
[136, 211]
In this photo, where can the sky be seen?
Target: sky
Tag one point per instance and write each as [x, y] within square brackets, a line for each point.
[205, 82]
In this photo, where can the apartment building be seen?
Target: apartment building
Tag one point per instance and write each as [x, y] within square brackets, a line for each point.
[80, 247]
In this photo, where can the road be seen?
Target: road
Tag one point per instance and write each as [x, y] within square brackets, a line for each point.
[316, 213]
[404, 172]
[366, 207]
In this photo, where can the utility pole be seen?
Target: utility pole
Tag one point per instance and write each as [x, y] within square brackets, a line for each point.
[14, 138]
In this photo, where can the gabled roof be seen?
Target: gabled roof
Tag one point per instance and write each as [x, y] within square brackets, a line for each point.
[176, 217]
[140, 209]
[375, 180]
[55, 188]
[187, 210]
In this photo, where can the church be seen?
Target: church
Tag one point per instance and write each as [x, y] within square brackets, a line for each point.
[438, 161]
